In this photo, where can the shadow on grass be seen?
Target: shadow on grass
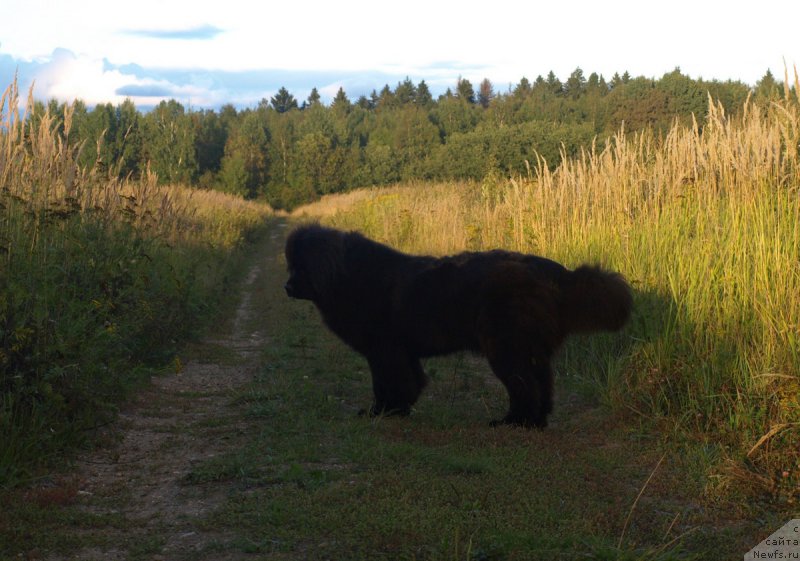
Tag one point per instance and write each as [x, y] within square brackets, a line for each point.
[440, 484]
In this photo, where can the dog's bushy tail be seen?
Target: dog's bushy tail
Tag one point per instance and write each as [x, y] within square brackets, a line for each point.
[595, 300]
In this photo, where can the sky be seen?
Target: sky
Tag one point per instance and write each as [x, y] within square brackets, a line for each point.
[206, 54]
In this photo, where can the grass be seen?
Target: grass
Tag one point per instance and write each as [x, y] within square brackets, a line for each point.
[315, 480]
[705, 222]
[101, 279]
[306, 477]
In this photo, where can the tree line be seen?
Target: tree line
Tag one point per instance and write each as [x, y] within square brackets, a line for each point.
[289, 152]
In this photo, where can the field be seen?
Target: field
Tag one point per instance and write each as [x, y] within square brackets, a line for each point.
[706, 225]
[675, 439]
[254, 450]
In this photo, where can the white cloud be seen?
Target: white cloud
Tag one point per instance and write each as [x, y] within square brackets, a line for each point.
[66, 76]
[503, 41]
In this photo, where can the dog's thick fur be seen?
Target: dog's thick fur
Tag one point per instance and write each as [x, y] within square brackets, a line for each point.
[395, 308]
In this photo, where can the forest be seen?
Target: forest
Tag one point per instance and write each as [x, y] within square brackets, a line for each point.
[287, 152]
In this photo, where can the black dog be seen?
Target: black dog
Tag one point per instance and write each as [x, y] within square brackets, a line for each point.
[395, 308]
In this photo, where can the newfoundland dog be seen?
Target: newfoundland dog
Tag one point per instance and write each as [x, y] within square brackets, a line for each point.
[395, 308]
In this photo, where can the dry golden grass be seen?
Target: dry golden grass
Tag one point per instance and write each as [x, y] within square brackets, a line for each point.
[39, 169]
[705, 222]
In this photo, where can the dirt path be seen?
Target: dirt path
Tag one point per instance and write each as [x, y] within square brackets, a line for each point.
[182, 420]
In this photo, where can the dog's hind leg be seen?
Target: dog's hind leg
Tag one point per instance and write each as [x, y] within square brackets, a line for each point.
[529, 386]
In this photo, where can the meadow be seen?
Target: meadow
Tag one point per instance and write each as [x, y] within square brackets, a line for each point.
[674, 439]
[101, 277]
[705, 223]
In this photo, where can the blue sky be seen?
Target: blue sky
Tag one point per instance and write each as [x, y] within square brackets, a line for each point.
[206, 53]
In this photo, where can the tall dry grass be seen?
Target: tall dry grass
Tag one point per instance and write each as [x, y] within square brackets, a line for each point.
[705, 222]
[100, 279]
[40, 170]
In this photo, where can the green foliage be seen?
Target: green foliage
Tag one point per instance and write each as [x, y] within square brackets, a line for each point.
[169, 143]
[290, 155]
[576, 84]
[340, 103]
[244, 165]
[318, 162]
[453, 115]
[211, 136]
[464, 91]
[405, 92]
[768, 87]
[283, 101]
[507, 149]
[101, 279]
[84, 307]
[485, 93]
[423, 95]
[313, 98]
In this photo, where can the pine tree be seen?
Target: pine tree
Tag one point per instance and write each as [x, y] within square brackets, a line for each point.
[553, 83]
[576, 84]
[283, 101]
[405, 92]
[768, 87]
[364, 103]
[386, 98]
[523, 89]
[341, 101]
[313, 97]
[465, 91]
[424, 97]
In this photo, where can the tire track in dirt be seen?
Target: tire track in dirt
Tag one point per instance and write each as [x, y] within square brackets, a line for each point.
[137, 485]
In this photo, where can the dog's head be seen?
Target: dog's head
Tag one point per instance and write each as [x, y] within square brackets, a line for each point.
[314, 258]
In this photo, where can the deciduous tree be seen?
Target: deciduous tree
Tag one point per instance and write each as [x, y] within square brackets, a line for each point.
[485, 93]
